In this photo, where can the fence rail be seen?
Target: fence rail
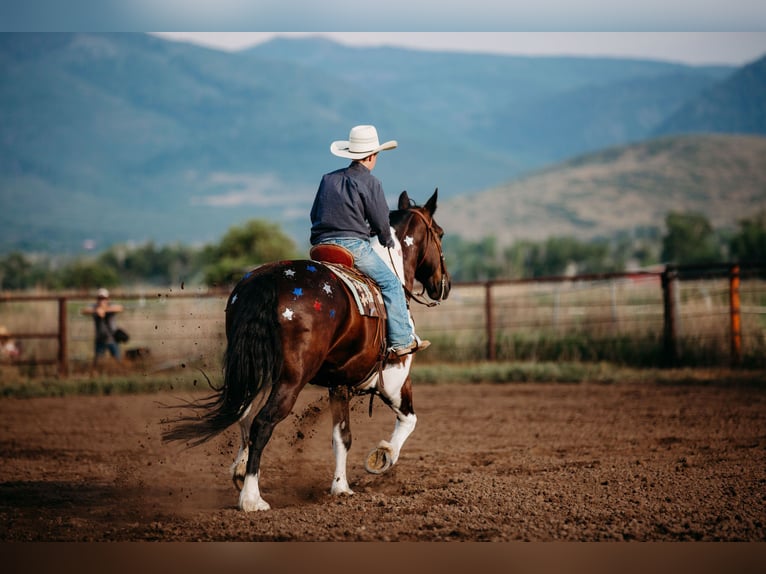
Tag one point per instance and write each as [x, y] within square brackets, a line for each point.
[680, 310]
[677, 315]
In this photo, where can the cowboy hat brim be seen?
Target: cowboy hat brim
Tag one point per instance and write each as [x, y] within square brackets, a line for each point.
[341, 149]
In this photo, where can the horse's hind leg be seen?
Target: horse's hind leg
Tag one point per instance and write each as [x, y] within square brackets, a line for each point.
[341, 438]
[277, 407]
[239, 467]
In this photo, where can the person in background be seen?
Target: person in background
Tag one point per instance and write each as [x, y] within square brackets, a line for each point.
[104, 314]
[349, 208]
[8, 347]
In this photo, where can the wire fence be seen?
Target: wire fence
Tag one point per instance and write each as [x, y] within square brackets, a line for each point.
[674, 317]
[680, 316]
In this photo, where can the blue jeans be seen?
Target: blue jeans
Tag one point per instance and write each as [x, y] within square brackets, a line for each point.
[367, 261]
[102, 348]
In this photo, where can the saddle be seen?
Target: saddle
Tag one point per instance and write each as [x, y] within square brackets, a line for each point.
[331, 253]
[368, 298]
[366, 293]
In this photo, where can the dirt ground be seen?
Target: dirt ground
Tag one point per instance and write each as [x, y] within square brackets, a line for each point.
[513, 462]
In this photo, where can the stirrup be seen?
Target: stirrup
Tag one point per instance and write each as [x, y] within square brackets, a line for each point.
[415, 346]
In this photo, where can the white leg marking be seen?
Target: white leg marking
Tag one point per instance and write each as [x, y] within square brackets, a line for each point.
[403, 428]
[250, 497]
[239, 467]
[339, 481]
[394, 377]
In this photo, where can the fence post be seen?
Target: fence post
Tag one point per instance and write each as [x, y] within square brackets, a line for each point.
[736, 317]
[670, 351]
[489, 322]
[63, 356]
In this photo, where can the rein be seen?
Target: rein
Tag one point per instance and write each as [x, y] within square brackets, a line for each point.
[418, 298]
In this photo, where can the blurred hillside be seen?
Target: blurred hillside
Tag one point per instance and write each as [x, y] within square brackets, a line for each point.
[620, 190]
[115, 138]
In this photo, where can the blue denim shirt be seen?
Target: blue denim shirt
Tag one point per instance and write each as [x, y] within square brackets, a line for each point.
[350, 203]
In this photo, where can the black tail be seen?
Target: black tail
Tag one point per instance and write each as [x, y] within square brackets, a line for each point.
[252, 364]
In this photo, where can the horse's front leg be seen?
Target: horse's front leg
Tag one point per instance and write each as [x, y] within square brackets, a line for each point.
[397, 393]
[239, 467]
[341, 438]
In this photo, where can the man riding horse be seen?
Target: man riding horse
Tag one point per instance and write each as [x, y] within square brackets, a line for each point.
[350, 208]
[294, 323]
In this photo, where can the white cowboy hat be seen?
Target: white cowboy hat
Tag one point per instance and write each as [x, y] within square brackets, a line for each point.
[362, 142]
[102, 293]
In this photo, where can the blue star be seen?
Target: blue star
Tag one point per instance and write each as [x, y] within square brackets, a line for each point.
[332, 313]
[248, 274]
[311, 268]
[298, 292]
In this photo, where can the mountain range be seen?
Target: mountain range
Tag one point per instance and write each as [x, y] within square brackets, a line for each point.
[622, 191]
[124, 137]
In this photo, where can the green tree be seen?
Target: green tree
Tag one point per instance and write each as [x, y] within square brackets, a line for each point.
[557, 256]
[167, 265]
[244, 247]
[472, 260]
[689, 239]
[87, 275]
[16, 272]
[749, 244]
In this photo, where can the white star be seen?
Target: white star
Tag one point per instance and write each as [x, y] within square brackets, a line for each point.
[409, 241]
[326, 288]
[288, 314]
[234, 299]
[289, 273]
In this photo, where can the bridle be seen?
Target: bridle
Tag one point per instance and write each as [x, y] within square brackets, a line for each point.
[431, 237]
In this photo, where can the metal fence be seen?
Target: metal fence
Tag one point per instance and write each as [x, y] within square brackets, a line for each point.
[700, 316]
[680, 315]
[167, 328]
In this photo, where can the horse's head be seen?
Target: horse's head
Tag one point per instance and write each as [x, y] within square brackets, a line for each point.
[421, 240]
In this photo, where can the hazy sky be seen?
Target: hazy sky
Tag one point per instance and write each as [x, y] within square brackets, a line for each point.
[431, 23]
[688, 47]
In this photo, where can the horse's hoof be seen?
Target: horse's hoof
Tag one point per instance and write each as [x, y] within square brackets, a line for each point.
[341, 492]
[254, 505]
[380, 459]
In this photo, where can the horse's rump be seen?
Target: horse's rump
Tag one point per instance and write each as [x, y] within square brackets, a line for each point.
[291, 308]
[252, 362]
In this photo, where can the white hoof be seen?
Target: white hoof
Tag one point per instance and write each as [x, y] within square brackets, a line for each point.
[253, 505]
[250, 497]
[380, 458]
[340, 488]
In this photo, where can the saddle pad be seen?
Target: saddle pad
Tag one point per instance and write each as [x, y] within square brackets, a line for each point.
[367, 296]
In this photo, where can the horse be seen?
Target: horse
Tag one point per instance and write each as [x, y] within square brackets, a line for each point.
[293, 323]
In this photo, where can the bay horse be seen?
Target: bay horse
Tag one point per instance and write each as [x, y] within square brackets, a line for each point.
[293, 323]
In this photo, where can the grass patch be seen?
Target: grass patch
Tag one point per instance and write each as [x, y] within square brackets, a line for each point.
[105, 385]
[575, 372]
[422, 374]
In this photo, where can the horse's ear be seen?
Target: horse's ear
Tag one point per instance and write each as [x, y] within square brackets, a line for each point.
[431, 203]
[404, 201]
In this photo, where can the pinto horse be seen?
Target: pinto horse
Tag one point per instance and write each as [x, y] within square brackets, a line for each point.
[293, 323]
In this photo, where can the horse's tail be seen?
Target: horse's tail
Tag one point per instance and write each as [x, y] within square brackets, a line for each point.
[252, 362]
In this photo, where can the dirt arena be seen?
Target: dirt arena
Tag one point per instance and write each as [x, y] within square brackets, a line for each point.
[511, 462]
